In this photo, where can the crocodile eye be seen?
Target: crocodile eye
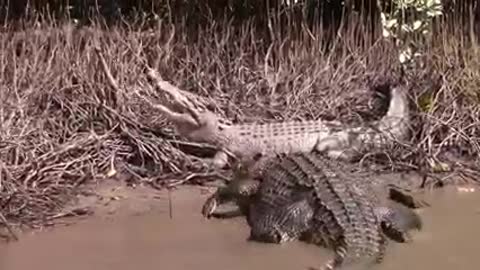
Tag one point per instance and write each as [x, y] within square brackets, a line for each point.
[257, 156]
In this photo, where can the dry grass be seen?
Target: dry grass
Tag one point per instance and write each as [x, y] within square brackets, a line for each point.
[62, 126]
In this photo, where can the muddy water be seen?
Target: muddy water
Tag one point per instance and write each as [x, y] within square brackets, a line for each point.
[449, 240]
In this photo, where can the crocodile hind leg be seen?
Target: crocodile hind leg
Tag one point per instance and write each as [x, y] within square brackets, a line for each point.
[397, 220]
[406, 198]
[395, 233]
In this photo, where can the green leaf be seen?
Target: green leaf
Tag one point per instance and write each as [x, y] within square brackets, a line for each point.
[425, 102]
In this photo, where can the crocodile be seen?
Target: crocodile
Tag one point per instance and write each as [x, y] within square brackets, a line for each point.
[236, 141]
[308, 197]
[391, 191]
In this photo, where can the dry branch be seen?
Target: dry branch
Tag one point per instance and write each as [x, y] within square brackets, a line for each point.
[63, 125]
[8, 226]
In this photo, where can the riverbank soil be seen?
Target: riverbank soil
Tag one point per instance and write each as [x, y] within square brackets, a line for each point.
[146, 229]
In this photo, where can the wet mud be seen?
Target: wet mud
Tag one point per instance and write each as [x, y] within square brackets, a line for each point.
[157, 236]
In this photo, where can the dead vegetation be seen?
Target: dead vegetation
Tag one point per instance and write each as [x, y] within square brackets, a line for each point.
[64, 126]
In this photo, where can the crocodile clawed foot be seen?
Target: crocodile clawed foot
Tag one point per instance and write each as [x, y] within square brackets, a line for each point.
[395, 233]
[407, 237]
[404, 237]
[210, 206]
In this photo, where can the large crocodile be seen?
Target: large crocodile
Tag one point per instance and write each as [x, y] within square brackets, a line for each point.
[310, 197]
[391, 191]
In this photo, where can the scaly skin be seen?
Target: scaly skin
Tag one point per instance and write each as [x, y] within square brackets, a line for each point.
[331, 137]
[306, 196]
[382, 190]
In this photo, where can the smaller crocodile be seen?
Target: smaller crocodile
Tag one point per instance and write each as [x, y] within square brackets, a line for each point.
[307, 196]
[246, 140]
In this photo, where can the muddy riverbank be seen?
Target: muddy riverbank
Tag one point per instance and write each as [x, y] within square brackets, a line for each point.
[137, 228]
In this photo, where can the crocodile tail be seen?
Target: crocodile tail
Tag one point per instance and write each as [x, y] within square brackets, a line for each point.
[394, 124]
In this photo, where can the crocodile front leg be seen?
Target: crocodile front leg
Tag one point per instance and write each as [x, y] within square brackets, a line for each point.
[220, 159]
[338, 145]
[238, 190]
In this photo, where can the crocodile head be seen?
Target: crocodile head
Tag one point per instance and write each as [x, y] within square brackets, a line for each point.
[206, 129]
